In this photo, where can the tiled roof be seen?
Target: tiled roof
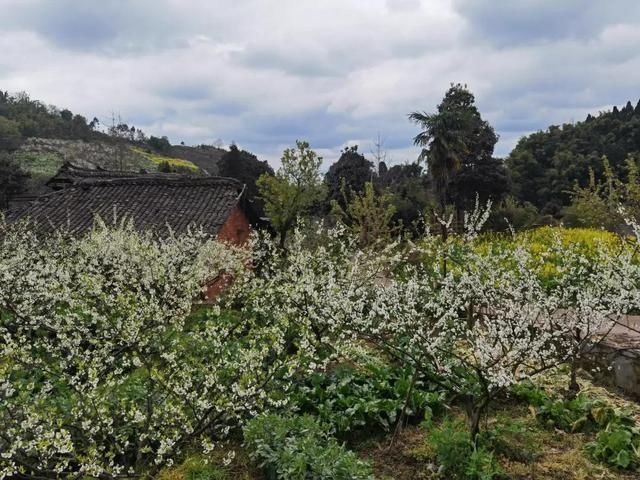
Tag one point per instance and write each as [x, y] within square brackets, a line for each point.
[70, 174]
[152, 201]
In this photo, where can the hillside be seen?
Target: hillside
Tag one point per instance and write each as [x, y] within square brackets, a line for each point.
[42, 137]
[546, 165]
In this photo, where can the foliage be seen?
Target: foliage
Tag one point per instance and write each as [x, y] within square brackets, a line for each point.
[617, 446]
[299, 447]
[351, 172]
[160, 160]
[10, 136]
[246, 167]
[369, 215]
[512, 438]
[492, 320]
[408, 186]
[104, 372]
[35, 119]
[371, 396]
[457, 455]
[457, 145]
[617, 442]
[293, 190]
[159, 144]
[13, 180]
[545, 165]
[195, 468]
[510, 213]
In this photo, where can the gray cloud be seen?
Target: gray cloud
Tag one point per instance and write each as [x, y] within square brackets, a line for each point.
[509, 22]
[337, 72]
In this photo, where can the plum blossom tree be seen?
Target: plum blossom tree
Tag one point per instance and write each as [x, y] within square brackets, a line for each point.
[104, 370]
[491, 320]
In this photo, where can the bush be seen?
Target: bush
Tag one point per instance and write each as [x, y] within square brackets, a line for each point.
[300, 447]
[195, 468]
[452, 447]
[104, 371]
[513, 438]
[372, 396]
[617, 446]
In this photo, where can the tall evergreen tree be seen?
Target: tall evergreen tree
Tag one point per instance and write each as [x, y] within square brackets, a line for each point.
[13, 179]
[245, 167]
[457, 145]
[352, 170]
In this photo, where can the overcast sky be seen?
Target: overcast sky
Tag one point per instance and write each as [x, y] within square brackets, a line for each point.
[263, 73]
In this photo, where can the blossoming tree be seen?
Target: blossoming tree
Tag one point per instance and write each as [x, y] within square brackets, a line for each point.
[104, 370]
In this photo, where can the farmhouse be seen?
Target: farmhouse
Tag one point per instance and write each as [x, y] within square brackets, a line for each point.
[152, 201]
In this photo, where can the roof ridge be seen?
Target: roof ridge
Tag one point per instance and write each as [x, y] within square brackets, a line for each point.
[158, 179]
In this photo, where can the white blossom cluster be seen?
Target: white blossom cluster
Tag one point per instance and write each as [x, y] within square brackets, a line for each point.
[103, 371]
[492, 318]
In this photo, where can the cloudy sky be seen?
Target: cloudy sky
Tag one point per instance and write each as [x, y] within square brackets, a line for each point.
[263, 73]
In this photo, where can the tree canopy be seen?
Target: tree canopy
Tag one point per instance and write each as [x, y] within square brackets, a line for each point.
[293, 190]
[546, 165]
[353, 169]
[457, 145]
[246, 167]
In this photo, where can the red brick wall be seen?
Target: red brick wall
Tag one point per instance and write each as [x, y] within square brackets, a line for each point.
[236, 230]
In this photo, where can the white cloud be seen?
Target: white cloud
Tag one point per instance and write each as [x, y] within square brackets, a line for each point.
[265, 72]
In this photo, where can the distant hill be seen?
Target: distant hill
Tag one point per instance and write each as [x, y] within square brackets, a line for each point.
[42, 137]
[206, 157]
[546, 165]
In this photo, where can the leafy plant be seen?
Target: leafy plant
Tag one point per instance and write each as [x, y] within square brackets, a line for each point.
[617, 446]
[372, 396]
[300, 447]
[451, 446]
[513, 438]
[195, 468]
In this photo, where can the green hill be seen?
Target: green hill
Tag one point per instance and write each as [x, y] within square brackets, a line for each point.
[42, 137]
[545, 165]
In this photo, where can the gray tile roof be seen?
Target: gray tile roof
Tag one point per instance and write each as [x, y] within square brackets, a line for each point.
[152, 201]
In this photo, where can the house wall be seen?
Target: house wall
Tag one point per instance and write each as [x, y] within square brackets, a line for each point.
[236, 230]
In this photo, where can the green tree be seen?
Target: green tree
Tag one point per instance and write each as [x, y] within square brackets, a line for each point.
[368, 214]
[10, 136]
[596, 204]
[546, 165]
[160, 144]
[293, 190]
[246, 167]
[409, 187]
[458, 148]
[442, 148]
[352, 169]
[13, 179]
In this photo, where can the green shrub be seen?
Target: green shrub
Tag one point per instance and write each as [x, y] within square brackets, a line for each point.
[482, 465]
[513, 438]
[195, 468]
[529, 393]
[373, 396]
[452, 448]
[299, 447]
[617, 446]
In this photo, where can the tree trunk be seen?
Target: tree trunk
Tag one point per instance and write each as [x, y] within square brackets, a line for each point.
[474, 414]
[574, 388]
[399, 423]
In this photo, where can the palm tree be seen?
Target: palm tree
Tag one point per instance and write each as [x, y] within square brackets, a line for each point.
[442, 145]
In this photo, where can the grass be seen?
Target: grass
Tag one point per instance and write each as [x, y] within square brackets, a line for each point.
[157, 159]
[212, 467]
